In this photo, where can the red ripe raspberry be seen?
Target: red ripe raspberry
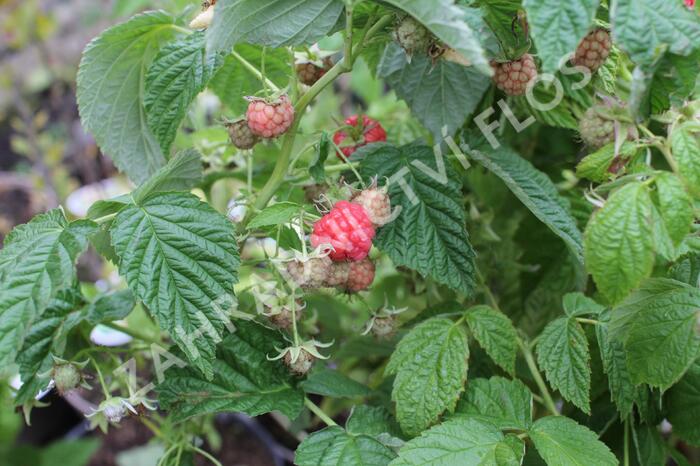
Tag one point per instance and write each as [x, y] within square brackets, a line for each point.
[270, 119]
[513, 77]
[240, 134]
[361, 275]
[593, 50]
[362, 132]
[311, 273]
[348, 231]
[377, 205]
[689, 3]
[338, 275]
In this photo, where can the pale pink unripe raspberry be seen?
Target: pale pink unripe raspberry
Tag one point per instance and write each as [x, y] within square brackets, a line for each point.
[595, 130]
[338, 274]
[270, 119]
[513, 77]
[377, 205]
[310, 273]
[593, 50]
[347, 230]
[361, 275]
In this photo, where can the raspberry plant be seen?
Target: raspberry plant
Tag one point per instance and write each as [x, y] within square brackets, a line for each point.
[525, 298]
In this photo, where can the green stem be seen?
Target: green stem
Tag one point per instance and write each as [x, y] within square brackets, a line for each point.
[295, 331]
[318, 412]
[206, 455]
[626, 459]
[256, 72]
[131, 332]
[348, 59]
[530, 360]
[105, 390]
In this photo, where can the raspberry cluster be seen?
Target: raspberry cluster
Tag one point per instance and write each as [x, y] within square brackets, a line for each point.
[514, 76]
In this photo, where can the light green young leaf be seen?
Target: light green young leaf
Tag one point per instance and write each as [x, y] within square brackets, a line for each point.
[457, 441]
[496, 334]
[674, 205]
[372, 420]
[595, 166]
[618, 241]
[333, 446]
[244, 379]
[686, 152]
[430, 364]
[612, 353]
[440, 94]
[642, 28]
[533, 188]
[562, 442]
[562, 352]
[274, 23]
[275, 214]
[178, 73]
[328, 382]
[45, 338]
[558, 27]
[110, 86]
[683, 404]
[446, 21]
[429, 233]
[37, 260]
[577, 304]
[663, 339]
[507, 404]
[109, 307]
[179, 256]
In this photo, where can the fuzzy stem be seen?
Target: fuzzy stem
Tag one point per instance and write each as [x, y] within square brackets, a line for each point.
[319, 412]
[530, 360]
[250, 67]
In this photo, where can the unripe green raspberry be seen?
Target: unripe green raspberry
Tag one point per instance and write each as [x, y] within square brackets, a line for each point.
[67, 377]
[412, 36]
[596, 131]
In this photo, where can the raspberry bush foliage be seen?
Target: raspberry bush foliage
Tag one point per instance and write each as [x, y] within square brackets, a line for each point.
[499, 266]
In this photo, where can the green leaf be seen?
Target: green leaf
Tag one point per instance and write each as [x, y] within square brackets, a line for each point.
[612, 352]
[328, 382]
[372, 420]
[533, 188]
[558, 27]
[275, 23]
[333, 446]
[429, 233]
[178, 73]
[457, 441]
[181, 173]
[642, 28]
[663, 338]
[245, 380]
[618, 241]
[110, 307]
[179, 257]
[675, 206]
[651, 448]
[507, 404]
[496, 334]
[562, 352]
[595, 166]
[232, 82]
[275, 214]
[577, 304]
[110, 86]
[316, 168]
[686, 152]
[47, 337]
[69, 452]
[446, 21]
[440, 94]
[683, 403]
[430, 364]
[38, 260]
[562, 442]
